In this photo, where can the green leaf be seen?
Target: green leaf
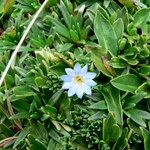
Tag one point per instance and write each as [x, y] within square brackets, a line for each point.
[133, 126]
[65, 105]
[145, 70]
[146, 136]
[58, 69]
[21, 137]
[55, 136]
[51, 145]
[97, 59]
[4, 128]
[106, 3]
[143, 16]
[59, 27]
[65, 14]
[99, 105]
[64, 132]
[133, 100]
[144, 88]
[127, 3]
[85, 31]
[36, 144]
[117, 62]
[111, 131]
[21, 71]
[119, 28]
[143, 114]
[98, 115]
[94, 8]
[125, 16]
[40, 82]
[51, 111]
[74, 35]
[128, 82]
[6, 7]
[105, 34]
[67, 128]
[56, 124]
[112, 98]
[38, 131]
[122, 141]
[23, 91]
[20, 115]
[136, 116]
[65, 47]
[147, 3]
[55, 97]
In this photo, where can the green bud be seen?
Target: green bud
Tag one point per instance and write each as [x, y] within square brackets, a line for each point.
[122, 43]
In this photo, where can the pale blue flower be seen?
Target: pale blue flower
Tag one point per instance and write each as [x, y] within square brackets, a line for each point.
[78, 80]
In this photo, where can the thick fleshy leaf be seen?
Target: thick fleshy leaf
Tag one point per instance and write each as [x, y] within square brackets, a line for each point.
[97, 59]
[133, 100]
[23, 91]
[21, 137]
[65, 13]
[98, 105]
[111, 131]
[146, 136]
[105, 34]
[141, 18]
[119, 28]
[138, 116]
[128, 82]
[113, 101]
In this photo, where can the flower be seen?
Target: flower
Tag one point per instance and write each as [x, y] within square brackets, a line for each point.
[78, 80]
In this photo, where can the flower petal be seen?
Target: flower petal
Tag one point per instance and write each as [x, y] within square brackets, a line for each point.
[70, 71]
[66, 78]
[77, 68]
[84, 69]
[72, 91]
[67, 85]
[79, 92]
[86, 89]
[90, 75]
[90, 82]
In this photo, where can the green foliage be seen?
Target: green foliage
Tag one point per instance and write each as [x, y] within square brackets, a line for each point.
[106, 34]
[112, 38]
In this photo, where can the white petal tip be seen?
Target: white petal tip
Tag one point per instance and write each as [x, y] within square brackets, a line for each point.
[77, 68]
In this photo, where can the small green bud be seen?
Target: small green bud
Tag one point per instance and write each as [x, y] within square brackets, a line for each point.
[122, 43]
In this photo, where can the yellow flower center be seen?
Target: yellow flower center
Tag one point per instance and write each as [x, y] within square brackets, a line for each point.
[78, 79]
